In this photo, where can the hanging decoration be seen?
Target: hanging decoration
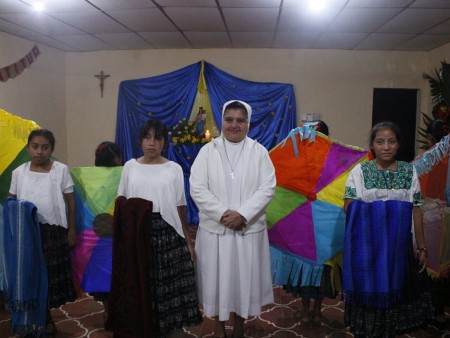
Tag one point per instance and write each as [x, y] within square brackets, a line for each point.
[202, 106]
[95, 191]
[434, 172]
[175, 99]
[14, 133]
[425, 162]
[102, 76]
[305, 219]
[11, 71]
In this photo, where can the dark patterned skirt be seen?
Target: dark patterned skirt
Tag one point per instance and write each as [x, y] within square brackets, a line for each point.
[173, 285]
[440, 292]
[56, 250]
[412, 313]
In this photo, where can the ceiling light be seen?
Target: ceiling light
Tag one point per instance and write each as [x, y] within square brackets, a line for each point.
[317, 5]
[38, 6]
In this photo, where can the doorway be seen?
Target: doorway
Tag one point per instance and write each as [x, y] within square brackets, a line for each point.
[400, 107]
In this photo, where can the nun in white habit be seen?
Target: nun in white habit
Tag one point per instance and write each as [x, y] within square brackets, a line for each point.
[232, 181]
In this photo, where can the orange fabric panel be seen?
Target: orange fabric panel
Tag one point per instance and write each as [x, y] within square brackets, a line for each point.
[301, 173]
[433, 183]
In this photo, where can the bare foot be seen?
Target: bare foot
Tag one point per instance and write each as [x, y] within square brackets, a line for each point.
[219, 332]
[238, 329]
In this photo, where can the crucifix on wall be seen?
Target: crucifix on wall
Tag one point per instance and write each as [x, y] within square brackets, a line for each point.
[102, 76]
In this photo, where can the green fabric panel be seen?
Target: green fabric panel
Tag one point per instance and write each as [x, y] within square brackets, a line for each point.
[283, 203]
[97, 186]
[5, 177]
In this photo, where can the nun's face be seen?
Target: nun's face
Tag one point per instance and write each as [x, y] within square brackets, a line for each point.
[234, 125]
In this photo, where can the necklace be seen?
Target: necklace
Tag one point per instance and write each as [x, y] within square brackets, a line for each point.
[232, 167]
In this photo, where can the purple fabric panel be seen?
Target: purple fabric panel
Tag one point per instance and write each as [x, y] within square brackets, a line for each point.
[339, 159]
[295, 233]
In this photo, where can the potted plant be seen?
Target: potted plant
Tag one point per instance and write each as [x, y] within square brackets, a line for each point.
[440, 93]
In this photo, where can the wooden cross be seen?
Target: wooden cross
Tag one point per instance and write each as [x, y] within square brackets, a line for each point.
[102, 76]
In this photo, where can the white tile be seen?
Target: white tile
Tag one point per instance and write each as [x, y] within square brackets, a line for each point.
[251, 19]
[92, 22]
[209, 39]
[196, 19]
[143, 20]
[137, 24]
[252, 39]
[166, 39]
[124, 40]
[83, 43]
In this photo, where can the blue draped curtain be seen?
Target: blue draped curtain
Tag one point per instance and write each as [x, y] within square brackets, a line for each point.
[273, 104]
[167, 97]
[184, 155]
[170, 98]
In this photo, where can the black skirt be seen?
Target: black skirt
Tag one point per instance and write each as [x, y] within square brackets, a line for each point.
[55, 246]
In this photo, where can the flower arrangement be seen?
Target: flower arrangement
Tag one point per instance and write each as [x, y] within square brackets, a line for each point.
[443, 112]
[190, 132]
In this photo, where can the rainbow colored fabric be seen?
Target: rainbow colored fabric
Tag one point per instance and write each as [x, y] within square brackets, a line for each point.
[433, 170]
[95, 194]
[14, 133]
[306, 220]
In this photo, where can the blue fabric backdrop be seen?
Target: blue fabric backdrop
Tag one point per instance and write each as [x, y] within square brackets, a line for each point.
[167, 97]
[184, 155]
[170, 98]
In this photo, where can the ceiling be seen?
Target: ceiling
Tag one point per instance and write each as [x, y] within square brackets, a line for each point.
[91, 25]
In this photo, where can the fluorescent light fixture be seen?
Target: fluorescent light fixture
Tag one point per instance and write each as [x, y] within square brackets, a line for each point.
[38, 6]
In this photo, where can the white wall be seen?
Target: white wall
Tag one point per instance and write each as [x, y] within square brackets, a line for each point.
[336, 84]
[61, 93]
[437, 55]
[38, 93]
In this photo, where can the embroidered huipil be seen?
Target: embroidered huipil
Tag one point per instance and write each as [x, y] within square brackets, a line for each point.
[367, 183]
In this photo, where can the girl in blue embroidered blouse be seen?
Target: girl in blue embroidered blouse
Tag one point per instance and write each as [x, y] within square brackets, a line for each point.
[383, 179]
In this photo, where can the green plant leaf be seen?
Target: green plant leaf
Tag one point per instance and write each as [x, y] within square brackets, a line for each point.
[423, 132]
[427, 119]
[440, 84]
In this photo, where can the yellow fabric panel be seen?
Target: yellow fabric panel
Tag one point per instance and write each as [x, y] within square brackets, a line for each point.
[202, 100]
[334, 192]
[14, 133]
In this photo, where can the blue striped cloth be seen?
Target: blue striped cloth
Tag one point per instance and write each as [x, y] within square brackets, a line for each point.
[25, 274]
[376, 247]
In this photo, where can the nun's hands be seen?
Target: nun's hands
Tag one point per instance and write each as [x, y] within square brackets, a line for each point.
[233, 220]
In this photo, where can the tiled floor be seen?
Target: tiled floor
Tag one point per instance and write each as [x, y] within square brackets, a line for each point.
[84, 318]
